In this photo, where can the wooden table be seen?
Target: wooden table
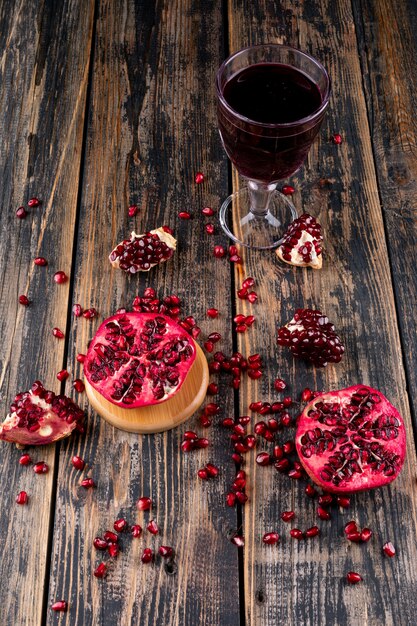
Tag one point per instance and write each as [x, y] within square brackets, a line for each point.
[109, 103]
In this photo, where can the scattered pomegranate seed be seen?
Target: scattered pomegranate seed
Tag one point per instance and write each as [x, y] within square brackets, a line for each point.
[343, 501]
[25, 459]
[205, 421]
[100, 571]
[109, 535]
[21, 213]
[353, 578]
[34, 202]
[78, 385]
[144, 503]
[41, 468]
[147, 555]
[270, 538]
[199, 177]
[212, 470]
[167, 229]
[325, 499]
[136, 530]
[263, 459]
[219, 252]
[287, 516]
[209, 229]
[207, 211]
[24, 300]
[166, 552]
[323, 514]
[132, 210]
[212, 389]
[40, 261]
[60, 277]
[113, 550]
[77, 310]
[366, 534]
[252, 297]
[350, 527]
[202, 474]
[60, 605]
[62, 375]
[312, 532]
[279, 384]
[78, 462]
[389, 549]
[184, 215]
[120, 525]
[296, 533]
[287, 190]
[88, 483]
[100, 544]
[212, 313]
[58, 333]
[81, 357]
[306, 395]
[238, 541]
[337, 139]
[311, 491]
[90, 313]
[22, 498]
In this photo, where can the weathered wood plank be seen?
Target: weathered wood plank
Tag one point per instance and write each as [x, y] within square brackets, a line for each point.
[44, 59]
[151, 127]
[303, 582]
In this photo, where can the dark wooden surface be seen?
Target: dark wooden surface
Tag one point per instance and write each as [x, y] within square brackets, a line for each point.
[112, 102]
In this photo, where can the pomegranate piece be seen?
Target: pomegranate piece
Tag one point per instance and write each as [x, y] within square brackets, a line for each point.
[136, 530]
[207, 211]
[199, 178]
[144, 503]
[78, 462]
[100, 571]
[113, 550]
[337, 139]
[110, 536]
[287, 516]
[60, 605]
[296, 533]
[185, 215]
[24, 300]
[25, 459]
[41, 468]
[21, 213]
[139, 359]
[120, 525]
[306, 395]
[212, 313]
[100, 544]
[78, 385]
[389, 549]
[219, 252]
[166, 552]
[88, 483]
[132, 210]
[312, 532]
[38, 417]
[270, 538]
[60, 277]
[152, 527]
[22, 497]
[58, 333]
[351, 440]
[40, 261]
[77, 310]
[62, 375]
[147, 555]
[353, 578]
[287, 190]
[310, 336]
[142, 252]
[34, 202]
[302, 243]
[279, 384]
[90, 313]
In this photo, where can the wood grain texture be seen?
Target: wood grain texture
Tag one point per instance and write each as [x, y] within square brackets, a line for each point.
[44, 58]
[303, 582]
[151, 127]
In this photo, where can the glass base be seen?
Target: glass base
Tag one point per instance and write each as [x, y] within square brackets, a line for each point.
[252, 230]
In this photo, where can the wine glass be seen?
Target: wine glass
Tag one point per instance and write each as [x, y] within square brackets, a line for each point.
[271, 100]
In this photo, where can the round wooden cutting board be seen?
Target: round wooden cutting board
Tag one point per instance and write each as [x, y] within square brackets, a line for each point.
[158, 417]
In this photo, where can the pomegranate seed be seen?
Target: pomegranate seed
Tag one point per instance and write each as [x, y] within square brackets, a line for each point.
[278, 452]
[58, 333]
[248, 282]
[60, 277]
[227, 422]
[259, 428]
[136, 530]
[212, 313]
[190, 435]
[205, 421]
[88, 483]
[312, 532]
[287, 402]
[147, 555]
[78, 385]
[237, 458]
[202, 442]
[208, 346]
[287, 516]
[202, 474]
[343, 501]
[263, 459]
[120, 525]
[212, 470]
[254, 374]
[306, 395]
[59, 605]
[238, 541]
[132, 210]
[244, 420]
[113, 549]
[323, 514]
[100, 571]
[100, 544]
[90, 313]
[239, 484]
[25, 459]
[287, 190]
[167, 229]
[184, 215]
[199, 177]
[81, 358]
[219, 252]
[232, 250]
[110, 536]
[24, 300]
[214, 337]
[296, 533]
[144, 503]
[252, 297]
[337, 139]
[62, 375]
[41, 468]
[282, 465]
[40, 261]
[207, 211]
[366, 534]
[270, 538]
[389, 549]
[350, 527]
[354, 536]
[187, 446]
[353, 578]
[211, 409]
[34, 202]
[242, 497]
[22, 498]
[242, 294]
[209, 229]
[279, 384]
[325, 499]
[78, 462]
[230, 499]
[166, 552]
[288, 447]
[311, 491]
[152, 527]
[286, 419]
[21, 213]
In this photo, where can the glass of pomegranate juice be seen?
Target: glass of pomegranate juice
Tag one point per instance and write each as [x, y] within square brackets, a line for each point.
[271, 100]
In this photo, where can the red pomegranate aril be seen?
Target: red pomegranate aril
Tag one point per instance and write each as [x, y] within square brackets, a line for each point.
[41, 468]
[241, 328]
[254, 374]
[231, 499]
[199, 178]
[89, 314]
[209, 229]
[78, 385]
[100, 544]
[248, 282]
[240, 474]
[323, 513]
[351, 527]
[58, 333]
[25, 459]
[343, 501]
[295, 474]
[212, 470]
[353, 578]
[252, 297]
[208, 346]
[325, 499]
[273, 424]
[207, 211]
[282, 465]
[136, 530]
[255, 406]
[78, 462]
[110, 536]
[202, 474]
[214, 337]
[165, 551]
[188, 446]
[235, 258]
[312, 532]
[337, 139]
[279, 384]
[21, 213]
[354, 536]
[235, 383]
[60, 605]
[250, 441]
[270, 538]
[34, 202]
[147, 555]
[239, 319]
[227, 422]
[190, 435]
[260, 428]
[132, 210]
[249, 320]
[62, 375]
[389, 549]
[22, 497]
[184, 215]
[60, 277]
[263, 459]
[287, 190]
[152, 527]
[120, 525]
[239, 429]
[242, 294]
[239, 484]
[311, 491]
[88, 483]
[41, 261]
[100, 571]
[212, 313]
[241, 497]
[237, 458]
[113, 550]
[205, 421]
[288, 447]
[238, 541]
[366, 534]
[211, 409]
[244, 420]
[81, 358]
[287, 516]
[219, 252]
[286, 419]
[202, 442]
[24, 300]
[306, 395]
[296, 533]
[278, 452]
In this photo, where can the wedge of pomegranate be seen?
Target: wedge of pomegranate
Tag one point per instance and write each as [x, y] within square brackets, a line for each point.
[351, 440]
[38, 417]
[142, 252]
[137, 359]
[302, 243]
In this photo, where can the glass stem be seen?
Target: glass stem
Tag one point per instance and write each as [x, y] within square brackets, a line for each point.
[260, 195]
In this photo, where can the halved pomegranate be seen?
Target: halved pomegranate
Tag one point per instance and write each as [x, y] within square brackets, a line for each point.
[141, 252]
[38, 417]
[302, 243]
[137, 359]
[351, 440]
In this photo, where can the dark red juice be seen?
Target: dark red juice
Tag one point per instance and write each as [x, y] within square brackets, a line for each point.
[269, 93]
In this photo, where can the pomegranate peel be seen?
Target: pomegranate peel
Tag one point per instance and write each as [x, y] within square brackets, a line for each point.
[142, 252]
[351, 440]
[302, 243]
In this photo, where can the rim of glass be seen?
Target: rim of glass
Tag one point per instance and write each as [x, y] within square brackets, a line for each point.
[302, 120]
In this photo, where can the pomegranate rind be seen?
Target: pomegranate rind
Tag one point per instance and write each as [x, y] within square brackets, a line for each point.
[143, 361]
[303, 231]
[133, 265]
[370, 462]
